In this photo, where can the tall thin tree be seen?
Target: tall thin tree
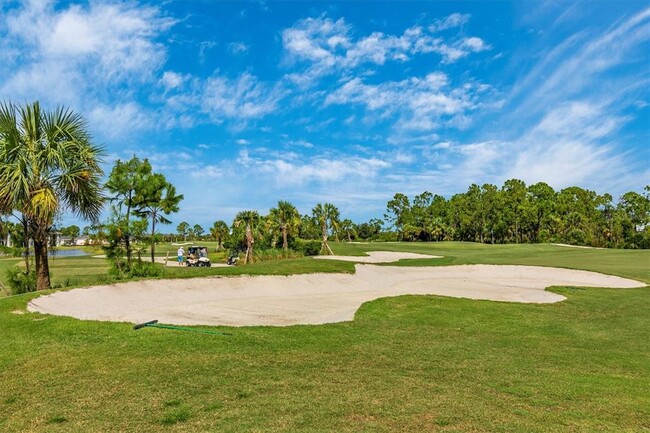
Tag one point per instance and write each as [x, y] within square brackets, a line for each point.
[155, 200]
[250, 219]
[287, 219]
[327, 216]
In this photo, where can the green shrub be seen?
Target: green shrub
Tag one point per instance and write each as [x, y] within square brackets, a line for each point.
[20, 282]
[576, 237]
[10, 251]
[544, 236]
[308, 248]
[145, 269]
[137, 269]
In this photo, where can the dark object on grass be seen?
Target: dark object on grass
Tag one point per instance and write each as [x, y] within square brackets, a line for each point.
[155, 324]
[232, 260]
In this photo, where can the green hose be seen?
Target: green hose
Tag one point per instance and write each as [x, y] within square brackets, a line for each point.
[155, 324]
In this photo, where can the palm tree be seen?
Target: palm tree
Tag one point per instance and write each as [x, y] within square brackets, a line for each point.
[347, 226]
[183, 229]
[156, 199]
[287, 219]
[327, 215]
[219, 232]
[250, 219]
[48, 164]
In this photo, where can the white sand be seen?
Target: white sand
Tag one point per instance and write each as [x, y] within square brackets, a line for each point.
[379, 257]
[309, 298]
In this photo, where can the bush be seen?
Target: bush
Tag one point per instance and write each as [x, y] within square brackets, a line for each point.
[308, 248]
[10, 251]
[146, 269]
[20, 282]
[544, 236]
[576, 237]
[137, 269]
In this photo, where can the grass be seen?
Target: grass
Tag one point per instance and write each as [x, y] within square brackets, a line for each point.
[405, 364]
[5, 264]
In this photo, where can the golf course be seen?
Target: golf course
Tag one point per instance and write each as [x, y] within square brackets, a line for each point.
[277, 216]
[406, 363]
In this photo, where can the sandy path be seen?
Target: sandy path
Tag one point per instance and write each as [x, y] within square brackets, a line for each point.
[310, 298]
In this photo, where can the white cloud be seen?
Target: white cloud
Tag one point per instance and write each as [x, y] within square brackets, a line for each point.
[241, 99]
[301, 143]
[449, 22]
[326, 46]
[321, 169]
[419, 103]
[172, 80]
[116, 121]
[474, 44]
[577, 66]
[81, 54]
[237, 47]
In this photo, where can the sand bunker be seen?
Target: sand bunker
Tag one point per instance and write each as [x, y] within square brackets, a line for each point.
[310, 298]
[379, 257]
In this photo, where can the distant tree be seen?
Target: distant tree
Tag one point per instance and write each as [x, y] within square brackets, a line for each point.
[48, 164]
[399, 212]
[286, 218]
[183, 229]
[155, 200]
[327, 216]
[249, 219]
[369, 230]
[541, 198]
[308, 228]
[72, 231]
[219, 232]
[125, 181]
[197, 231]
[348, 228]
[514, 198]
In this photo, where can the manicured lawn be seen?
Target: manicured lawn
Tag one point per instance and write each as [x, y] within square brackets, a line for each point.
[406, 364]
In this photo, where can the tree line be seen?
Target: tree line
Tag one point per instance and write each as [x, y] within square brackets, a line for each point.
[516, 213]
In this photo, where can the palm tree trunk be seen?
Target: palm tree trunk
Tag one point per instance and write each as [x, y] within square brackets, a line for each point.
[326, 248]
[249, 245]
[40, 256]
[153, 239]
[285, 242]
[127, 235]
[26, 243]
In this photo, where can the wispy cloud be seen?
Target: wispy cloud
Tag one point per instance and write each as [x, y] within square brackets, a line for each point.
[237, 47]
[326, 46]
[418, 103]
[79, 48]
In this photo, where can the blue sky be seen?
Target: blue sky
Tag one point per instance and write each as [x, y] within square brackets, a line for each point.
[242, 104]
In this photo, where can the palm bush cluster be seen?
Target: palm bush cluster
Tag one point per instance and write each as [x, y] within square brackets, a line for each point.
[283, 226]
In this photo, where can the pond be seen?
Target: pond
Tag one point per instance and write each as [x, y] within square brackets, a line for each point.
[67, 253]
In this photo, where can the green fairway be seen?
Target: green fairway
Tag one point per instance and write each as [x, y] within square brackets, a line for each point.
[405, 364]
